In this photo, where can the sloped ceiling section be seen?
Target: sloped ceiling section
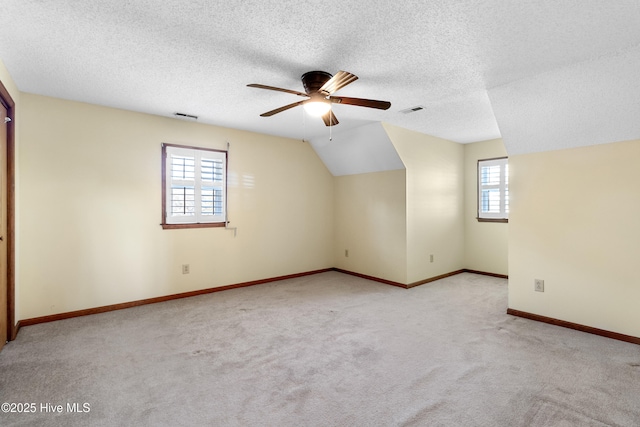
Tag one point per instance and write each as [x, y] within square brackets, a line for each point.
[363, 149]
[588, 103]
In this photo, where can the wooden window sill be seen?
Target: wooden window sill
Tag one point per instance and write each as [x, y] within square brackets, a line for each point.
[198, 225]
[505, 220]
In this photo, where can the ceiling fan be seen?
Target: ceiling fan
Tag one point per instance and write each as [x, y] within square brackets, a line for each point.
[320, 87]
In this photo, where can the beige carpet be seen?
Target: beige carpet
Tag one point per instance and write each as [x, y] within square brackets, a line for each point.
[322, 350]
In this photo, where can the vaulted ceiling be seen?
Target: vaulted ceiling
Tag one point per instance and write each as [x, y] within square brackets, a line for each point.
[543, 74]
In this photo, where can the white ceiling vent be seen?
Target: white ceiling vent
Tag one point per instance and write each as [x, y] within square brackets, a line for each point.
[412, 109]
[184, 116]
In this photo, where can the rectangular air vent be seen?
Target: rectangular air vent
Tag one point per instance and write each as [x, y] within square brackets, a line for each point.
[185, 116]
[412, 109]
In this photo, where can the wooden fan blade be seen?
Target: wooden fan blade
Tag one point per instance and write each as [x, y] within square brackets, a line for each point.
[361, 102]
[337, 82]
[330, 119]
[279, 89]
[281, 109]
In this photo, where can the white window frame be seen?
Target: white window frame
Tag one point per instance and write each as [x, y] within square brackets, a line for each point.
[199, 217]
[502, 213]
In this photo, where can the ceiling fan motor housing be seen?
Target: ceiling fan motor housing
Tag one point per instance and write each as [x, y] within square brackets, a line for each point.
[314, 80]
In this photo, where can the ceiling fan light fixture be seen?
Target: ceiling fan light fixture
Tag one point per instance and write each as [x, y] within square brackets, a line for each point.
[319, 88]
[317, 108]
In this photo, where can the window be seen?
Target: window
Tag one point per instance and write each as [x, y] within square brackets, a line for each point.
[493, 190]
[194, 187]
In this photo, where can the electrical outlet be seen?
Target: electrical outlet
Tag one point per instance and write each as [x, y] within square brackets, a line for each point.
[185, 268]
[346, 253]
[539, 285]
[431, 258]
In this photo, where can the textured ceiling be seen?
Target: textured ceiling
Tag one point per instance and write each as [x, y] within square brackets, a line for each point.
[460, 60]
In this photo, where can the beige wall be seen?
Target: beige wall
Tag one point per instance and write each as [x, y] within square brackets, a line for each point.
[90, 209]
[486, 243]
[435, 181]
[438, 210]
[574, 222]
[391, 222]
[370, 222]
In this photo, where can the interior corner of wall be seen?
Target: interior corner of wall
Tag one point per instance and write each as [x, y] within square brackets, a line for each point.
[8, 82]
[391, 132]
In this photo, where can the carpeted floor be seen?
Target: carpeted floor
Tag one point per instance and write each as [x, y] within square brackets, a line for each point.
[322, 350]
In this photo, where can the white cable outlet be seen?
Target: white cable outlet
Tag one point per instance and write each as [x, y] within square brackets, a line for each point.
[538, 285]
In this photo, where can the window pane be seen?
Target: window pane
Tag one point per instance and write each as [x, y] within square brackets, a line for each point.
[207, 201]
[183, 167]
[493, 191]
[212, 170]
[218, 202]
[195, 187]
[183, 201]
[212, 201]
[490, 202]
[490, 175]
[506, 200]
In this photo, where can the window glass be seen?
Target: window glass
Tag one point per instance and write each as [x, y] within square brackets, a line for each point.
[194, 190]
[493, 189]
